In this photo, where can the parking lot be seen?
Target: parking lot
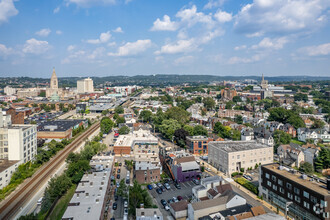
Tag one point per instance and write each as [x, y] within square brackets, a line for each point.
[185, 192]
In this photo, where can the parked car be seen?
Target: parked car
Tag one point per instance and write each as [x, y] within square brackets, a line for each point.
[117, 184]
[118, 176]
[159, 191]
[127, 181]
[114, 206]
[163, 202]
[167, 208]
[170, 201]
[167, 186]
[120, 164]
[149, 187]
[179, 198]
[196, 181]
[177, 185]
[116, 197]
[118, 171]
[248, 177]
[175, 199]
[159, 184]
[125, 204]
[163, 188]
[154, 185]
[125, 211]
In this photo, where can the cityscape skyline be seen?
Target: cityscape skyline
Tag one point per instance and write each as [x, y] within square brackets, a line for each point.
[216, 37]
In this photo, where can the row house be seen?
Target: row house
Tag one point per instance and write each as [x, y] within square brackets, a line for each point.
[313, 134]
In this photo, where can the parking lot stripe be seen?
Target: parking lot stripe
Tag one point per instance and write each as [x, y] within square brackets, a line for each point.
[183, 184]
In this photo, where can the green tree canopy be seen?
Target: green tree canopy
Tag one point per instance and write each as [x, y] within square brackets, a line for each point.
[189, 129]
[145, 115]
[106, 125]
[168, 127]
[209, 103]
[178, 114]
[200, 130]
[124, 130]
[119, 110]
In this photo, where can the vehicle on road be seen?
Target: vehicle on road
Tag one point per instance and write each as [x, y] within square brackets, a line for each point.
[120, 164]
[116, 135]
[167, 186]
[159, 191]
[125, 204]
[117, 185]
[118, 176]
[114, 206]
[208, 169]
[127, 181]
[163, 202]
[196, 181]
[149, 187]
[177, 185]
[118, 171]
[125, 211]
[167, 208]
[116, 197]
[40, 201]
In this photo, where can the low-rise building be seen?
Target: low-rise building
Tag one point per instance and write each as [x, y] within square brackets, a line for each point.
[179, 210]
[200, 192]
[305, 197]
[231, 156]
[148, 214]
[147, 171]
[7, 168]
[198, 144]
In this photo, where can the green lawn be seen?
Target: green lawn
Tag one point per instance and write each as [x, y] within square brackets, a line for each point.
[295, 140]
[62, 204]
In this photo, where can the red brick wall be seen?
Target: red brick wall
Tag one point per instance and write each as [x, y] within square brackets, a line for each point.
[141, 177]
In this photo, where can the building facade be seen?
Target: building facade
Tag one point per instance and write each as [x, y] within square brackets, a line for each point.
[232, 156]
[198, 144]
[305, 197]
[85, 86]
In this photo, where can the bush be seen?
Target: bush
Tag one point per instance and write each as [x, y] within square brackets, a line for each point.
[247, 185]
[234, 174]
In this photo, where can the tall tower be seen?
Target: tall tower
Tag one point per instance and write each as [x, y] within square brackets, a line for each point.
[53, 80]
[264, 83]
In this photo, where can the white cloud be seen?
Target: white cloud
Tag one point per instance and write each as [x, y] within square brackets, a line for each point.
[98, 52]
[184, 60]
[238, 60]
[5, 51]
[34, 46]
[104, 37]
[223, 16]
[281, 16]
[7, 9]
[190, 17]
[71, 48]
[57, 10]
[118, 30]
[178, 47]
[165, 25]
[268, 43]
[318, 50]
[59, 32]
[43, 32]
[74, 56]
[112, 44]
[214, 4]
[242, 47]
[132, 48]
[89, 3]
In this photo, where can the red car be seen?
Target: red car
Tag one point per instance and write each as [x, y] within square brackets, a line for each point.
[116, 135]
[179, 198]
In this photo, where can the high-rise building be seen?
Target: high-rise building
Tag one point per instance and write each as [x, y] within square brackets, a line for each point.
[85, 86]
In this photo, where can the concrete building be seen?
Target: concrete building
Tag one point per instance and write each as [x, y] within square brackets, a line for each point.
[148, 214]
[85, 86]
[231, 156]
[179, 210]
[200, 192]
[9, 90]
[305, 197]
[7, 168]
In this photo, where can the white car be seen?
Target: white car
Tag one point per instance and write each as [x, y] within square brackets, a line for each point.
[167, 208]
[125, 204]
[175, 199]
[154, 185]
[167, 186]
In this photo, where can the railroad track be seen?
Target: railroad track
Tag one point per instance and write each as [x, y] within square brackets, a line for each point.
[11, 205]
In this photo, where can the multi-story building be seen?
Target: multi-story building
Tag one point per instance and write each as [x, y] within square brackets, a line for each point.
[305, 197]
[198, 144]
[85, 86]
[9, 90]
[231, 156]
[228, 113]
[147, 171]
[148, 214]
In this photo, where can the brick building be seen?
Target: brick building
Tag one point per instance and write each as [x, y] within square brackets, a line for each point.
[198, 144]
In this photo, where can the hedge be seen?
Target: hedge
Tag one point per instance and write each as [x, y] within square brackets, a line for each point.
[247, 185]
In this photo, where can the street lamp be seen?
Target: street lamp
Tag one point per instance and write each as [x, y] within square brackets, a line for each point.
[287, 204]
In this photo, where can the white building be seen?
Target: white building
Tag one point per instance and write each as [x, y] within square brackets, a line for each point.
[148, 214]
[9, 90]
[7, 168]
[85, 86]
[231, 156]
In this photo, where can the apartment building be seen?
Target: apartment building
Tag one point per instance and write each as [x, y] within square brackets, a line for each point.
[305, 197]
[231, 156]
[198, 144]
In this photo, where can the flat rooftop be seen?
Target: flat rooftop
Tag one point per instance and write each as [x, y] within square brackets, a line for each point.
[59, 125]
[296, 177]
[5, 164]
[235, 146]
[140, 136]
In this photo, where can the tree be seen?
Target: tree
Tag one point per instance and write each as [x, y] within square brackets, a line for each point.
[229, 105]
[105, 112]
[323, 159]
[168, 127]
[286, 116]
[76, 170]
[209, 103]
[200, 130]
[317, 123]
[138, 196]
[42, 94]
[222, 131]
[120, 120]
[239, 119]
[189, 129]
[180, 137]
[300, 97]
[236, 135]
[106, 125]
[145, 115]
[306, 168]
[280, 137]
[124, 130]
[178, 114]
[119, 110]
[237, 99]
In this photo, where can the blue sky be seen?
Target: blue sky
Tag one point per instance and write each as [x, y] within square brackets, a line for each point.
[131, 37]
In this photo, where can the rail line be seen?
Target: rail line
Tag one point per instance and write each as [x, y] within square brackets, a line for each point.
[26, 189]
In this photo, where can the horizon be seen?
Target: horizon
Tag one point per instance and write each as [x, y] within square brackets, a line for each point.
[139, 37]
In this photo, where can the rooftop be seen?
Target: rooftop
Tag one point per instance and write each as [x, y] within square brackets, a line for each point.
[179, 206]
[235, 146]
[223, 199]
[267, 216]
[148, 214]
[197, 137]
[5, 164]
[139, 136]
[59, 125]
[297, 177]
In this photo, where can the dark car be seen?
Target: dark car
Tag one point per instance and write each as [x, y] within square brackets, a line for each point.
[163, 188]
[118, 176]
[114, 206]
[116, 197]
[118, 171]
[177, 185]
[179, 198]
[127, 181]
[120, 164]
[159, 191]
[163, 202]
[149, 187]
[170, 201]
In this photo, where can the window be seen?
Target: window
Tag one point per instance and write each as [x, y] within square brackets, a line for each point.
[274, 187]
[281, 190]
[296, 190]
[267, 175]
[313, 199]
[269, 183]
[274, 178]
[290, 196]
[238, 156]
[288, 185]
[280, 182]
[324, 203]
[297, 198]
[306, 205]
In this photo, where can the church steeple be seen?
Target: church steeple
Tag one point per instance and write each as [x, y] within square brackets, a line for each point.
[53, 80]
[261, 79]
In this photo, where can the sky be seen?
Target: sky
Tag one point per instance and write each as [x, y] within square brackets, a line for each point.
[133, 37]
